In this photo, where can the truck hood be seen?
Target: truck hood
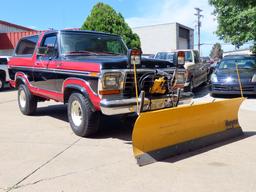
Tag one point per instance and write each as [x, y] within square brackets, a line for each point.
[119, 62]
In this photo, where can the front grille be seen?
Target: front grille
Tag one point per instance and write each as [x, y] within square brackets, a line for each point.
[233, 88]
[234, 80]
[129, 86]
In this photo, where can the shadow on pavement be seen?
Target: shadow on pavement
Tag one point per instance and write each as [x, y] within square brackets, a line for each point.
[201, 91]
[181, 157]
[8, 89]
[111, 127]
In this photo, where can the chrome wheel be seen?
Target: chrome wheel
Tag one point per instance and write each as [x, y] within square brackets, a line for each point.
[76, 113]
[22, 99]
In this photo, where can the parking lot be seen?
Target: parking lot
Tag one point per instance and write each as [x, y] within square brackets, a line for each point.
[41, 153]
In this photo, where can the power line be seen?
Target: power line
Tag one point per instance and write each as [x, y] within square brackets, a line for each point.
[221, 44]
[199, 16]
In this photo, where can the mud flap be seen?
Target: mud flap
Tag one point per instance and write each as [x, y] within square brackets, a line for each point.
[168, 132]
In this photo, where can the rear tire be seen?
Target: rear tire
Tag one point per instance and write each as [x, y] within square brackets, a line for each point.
[27, 102]
[1, 83]
[83, 119]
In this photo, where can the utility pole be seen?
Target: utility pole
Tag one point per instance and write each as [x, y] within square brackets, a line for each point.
[198, 11]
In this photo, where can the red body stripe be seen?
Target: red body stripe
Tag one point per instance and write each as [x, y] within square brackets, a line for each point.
[80, 66]
[60, 96]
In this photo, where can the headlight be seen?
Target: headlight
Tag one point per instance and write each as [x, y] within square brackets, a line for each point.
[214, 78]
[254, 78]
[112, 80]
[228, 79]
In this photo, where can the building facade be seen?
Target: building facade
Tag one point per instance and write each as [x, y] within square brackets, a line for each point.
[165, 37]
[10, 34]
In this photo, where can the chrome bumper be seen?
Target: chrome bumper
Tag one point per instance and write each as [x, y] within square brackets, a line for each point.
[124, 106]
[117, 107]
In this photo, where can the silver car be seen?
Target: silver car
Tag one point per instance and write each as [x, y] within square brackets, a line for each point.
[4, 75]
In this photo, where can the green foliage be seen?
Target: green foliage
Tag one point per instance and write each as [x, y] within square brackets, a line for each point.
[105, 19]
[236, 21]
[216, 52]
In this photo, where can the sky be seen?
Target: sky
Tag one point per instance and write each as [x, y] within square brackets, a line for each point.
[60, 14]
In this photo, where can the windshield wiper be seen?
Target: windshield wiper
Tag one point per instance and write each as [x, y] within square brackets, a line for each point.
[81, 53]
[108, 53]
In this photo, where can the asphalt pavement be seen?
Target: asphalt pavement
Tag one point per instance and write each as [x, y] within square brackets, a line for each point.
[41, 153]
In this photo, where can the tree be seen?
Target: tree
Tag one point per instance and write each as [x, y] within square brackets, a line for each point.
[216, 52]
[105, 19]
[236, 21]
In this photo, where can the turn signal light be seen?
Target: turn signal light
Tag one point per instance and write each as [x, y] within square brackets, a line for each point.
[109, 92]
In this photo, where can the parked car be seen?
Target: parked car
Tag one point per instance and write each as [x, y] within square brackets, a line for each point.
[209, 63]
[148, 56]
[196, 71]
[90, 71]
[224, 79]
[167, 56]
[4, 75]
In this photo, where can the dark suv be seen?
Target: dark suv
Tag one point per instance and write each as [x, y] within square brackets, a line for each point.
[225, 79]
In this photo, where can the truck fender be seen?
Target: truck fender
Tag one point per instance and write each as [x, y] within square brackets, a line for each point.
[83, 87]
[19, 76]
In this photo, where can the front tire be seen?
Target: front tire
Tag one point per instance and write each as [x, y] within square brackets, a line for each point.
[27, 102]
[83, 119]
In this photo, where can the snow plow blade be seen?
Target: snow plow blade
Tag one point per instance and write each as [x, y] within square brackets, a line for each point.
[160, 134]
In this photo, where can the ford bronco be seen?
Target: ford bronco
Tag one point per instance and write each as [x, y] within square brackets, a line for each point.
[90, 71]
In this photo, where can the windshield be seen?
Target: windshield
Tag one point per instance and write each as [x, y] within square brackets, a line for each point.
[91, 44]
[165, 56]
[161, 55]
[244, 63]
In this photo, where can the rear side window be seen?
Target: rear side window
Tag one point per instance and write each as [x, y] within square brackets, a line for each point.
[26, 46]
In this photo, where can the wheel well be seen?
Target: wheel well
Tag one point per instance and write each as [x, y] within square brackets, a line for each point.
[19, 82]
[68, 92]
[2, 74]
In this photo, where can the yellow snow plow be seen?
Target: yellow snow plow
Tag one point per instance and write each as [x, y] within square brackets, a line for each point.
[169, 131]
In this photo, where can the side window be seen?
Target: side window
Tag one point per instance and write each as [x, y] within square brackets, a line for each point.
[188, 56]
[26, 46]
[50, 42]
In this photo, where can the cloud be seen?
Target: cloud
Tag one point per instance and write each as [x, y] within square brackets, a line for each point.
[182, 12]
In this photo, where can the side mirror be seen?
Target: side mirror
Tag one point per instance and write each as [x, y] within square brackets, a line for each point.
[134, 56]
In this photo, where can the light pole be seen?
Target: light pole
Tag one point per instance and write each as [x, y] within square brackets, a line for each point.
[198, 11]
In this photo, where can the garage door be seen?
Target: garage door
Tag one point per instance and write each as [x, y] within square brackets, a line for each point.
[183, 43]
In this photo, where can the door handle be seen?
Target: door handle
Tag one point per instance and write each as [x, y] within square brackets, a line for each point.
[37, 63]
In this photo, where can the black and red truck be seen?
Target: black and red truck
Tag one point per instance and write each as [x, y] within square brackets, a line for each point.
[89, 71]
